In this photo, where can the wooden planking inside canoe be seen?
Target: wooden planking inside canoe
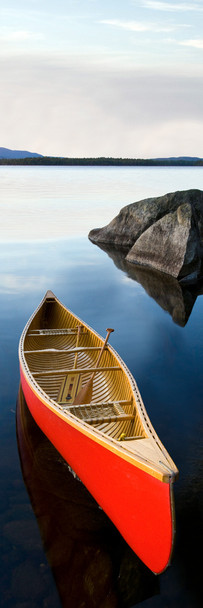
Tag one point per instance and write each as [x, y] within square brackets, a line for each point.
[50, 350]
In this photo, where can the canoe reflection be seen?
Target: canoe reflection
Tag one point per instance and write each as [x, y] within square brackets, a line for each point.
[91, 563]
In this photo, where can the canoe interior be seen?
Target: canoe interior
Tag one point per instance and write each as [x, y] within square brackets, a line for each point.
[61, 362]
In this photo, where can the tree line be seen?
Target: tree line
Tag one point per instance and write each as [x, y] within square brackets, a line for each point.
[101, 161]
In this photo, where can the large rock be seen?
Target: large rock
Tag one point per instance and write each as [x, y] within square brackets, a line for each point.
[170, 245]
[165, 233]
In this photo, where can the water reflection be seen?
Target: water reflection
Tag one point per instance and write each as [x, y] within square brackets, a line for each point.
[176, 298]
[91, 563]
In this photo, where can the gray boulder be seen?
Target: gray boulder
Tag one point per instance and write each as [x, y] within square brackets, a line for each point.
[165, 233]
[171, 245]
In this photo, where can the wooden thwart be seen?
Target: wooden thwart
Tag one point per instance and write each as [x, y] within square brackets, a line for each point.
[63, 350]
[103, 403]
[101, 419]
[82, 370]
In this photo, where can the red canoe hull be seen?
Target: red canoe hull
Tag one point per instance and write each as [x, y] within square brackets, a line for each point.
[139, 505]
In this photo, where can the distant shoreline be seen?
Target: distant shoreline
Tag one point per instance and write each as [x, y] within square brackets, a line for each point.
[103, 162]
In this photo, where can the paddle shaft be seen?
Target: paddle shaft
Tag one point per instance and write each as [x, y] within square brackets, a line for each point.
[85, 394]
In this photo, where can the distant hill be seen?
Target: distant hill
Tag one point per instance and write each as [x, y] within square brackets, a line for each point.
[6, 153]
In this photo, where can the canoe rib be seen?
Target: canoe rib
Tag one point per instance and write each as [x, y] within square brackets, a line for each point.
[116, 452]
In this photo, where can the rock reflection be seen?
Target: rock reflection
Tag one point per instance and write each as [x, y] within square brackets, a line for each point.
[173, 296]
[91, 563]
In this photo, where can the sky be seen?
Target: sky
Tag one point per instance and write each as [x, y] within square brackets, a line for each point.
[120, 78]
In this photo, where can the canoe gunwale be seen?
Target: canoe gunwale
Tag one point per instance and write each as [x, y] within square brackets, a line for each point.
[165, 472]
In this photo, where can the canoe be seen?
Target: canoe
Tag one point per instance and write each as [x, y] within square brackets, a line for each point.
[86, 401]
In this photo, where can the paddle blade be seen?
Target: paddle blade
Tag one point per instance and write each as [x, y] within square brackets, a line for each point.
[85, 394]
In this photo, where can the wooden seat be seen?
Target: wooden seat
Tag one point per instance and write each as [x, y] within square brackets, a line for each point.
[63, 331]
[95, 413]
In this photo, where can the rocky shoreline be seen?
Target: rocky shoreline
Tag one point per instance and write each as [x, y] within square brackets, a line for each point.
[164, 233]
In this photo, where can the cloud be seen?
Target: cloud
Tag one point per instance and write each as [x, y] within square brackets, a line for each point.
[133, 26]
[170, 6]
[196, 44]
[136, 26]
[75, 109]
[11, 35]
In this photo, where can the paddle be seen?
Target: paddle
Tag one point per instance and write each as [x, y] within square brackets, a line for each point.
[85, 394]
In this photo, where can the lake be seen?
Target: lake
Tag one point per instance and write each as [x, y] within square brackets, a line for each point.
[58, 549]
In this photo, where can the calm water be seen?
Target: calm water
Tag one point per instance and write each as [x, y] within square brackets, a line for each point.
[46, 214]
